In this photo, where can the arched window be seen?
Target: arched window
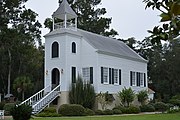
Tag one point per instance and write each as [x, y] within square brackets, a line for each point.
[73, 47]
[55, 50]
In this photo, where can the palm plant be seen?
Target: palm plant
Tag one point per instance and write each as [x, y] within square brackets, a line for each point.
[142, 96]
[22, 84]
[126, 96]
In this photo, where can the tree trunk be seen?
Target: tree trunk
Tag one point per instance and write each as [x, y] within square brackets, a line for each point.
[9, 72]
[23, 95]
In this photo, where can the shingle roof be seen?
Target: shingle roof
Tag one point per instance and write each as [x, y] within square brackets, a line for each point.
[104, 45]
[111, 46]
[63, 9]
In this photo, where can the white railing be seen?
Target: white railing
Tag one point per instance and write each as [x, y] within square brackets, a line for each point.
[36, 97]
[46, 100]
[62, 25]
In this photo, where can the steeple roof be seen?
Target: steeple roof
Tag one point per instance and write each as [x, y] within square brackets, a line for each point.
[64, 8]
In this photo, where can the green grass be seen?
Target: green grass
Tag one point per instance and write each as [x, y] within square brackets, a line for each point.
[129, 117]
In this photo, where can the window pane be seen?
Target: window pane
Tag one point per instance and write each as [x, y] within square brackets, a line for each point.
[73, 47]
[105, 74]
[55, 50]
[116, 76]
[86, 74]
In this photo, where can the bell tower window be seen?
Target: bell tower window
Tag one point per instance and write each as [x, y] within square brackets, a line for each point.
[73, 47]
[55, 50]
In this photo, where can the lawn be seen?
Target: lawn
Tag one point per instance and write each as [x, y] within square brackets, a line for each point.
[129, 117]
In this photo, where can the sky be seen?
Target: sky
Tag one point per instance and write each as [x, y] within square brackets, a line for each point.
[129, 17]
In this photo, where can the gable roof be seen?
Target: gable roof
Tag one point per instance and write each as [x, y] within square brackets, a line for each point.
[63, 9]
[103, 45]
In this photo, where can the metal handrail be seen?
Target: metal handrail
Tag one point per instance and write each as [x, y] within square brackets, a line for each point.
[46, 99]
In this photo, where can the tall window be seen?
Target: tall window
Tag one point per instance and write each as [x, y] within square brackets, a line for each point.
[87, 74]
[137, 79]
[73, 47]
[141, 79]
[116, 76]
[73, 72]
[133, 78]
[55, 50]
[104, 75]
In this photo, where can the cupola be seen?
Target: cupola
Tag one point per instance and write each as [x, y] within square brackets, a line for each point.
[66, 16]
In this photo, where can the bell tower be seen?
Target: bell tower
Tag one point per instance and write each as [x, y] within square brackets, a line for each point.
[66, 16]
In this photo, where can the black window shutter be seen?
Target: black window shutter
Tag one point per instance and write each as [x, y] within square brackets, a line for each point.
[144, 79]
[119, 77]
[138, 78]
[91, 75]
[131, 78]
[110, 76]
[73, 74]
[102, 81]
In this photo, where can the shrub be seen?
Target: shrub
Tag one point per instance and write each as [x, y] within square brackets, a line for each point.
[50, 110]
[175, 101]
[108, 112]
[2, 105]
[99, 112]
[147, 108]
[44, 114]
[133, 109]
[121, 108]
[89, 112]
[174, 109]
[72, 110]
[117, 111]
[8, 107]
[160, 106]
[22, 112]
[82, 93]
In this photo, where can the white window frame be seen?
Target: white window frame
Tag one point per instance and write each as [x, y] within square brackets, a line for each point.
[133, 78]
[116, 77]
[105, 75]
[141, 79]
[86, 73]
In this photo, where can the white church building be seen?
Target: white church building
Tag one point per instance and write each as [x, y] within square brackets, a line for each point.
[108, 64]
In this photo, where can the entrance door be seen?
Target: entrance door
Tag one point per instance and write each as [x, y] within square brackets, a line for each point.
[55, 78]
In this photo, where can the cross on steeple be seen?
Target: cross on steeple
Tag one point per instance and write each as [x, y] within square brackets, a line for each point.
[65, 13]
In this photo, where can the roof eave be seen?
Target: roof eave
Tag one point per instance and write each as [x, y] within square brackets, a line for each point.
[121, 56]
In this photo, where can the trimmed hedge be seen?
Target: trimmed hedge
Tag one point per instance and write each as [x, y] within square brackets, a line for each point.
[44, 114]
[147, 108]
[99, 112]
[50, 110]
[160, 106]
[117, 111]
[8, 107]
[128, 110]
[22, 112]
[2, 105]
[89, 112]
[72, 110]
[133, 110]
[108, 112]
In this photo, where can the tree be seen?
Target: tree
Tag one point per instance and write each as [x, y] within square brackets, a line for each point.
[170, 13]
[90, 17]
[104, 99]
[126, 96]
[142, 96]
[19, 32]
[22, 84]
[82, 93]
